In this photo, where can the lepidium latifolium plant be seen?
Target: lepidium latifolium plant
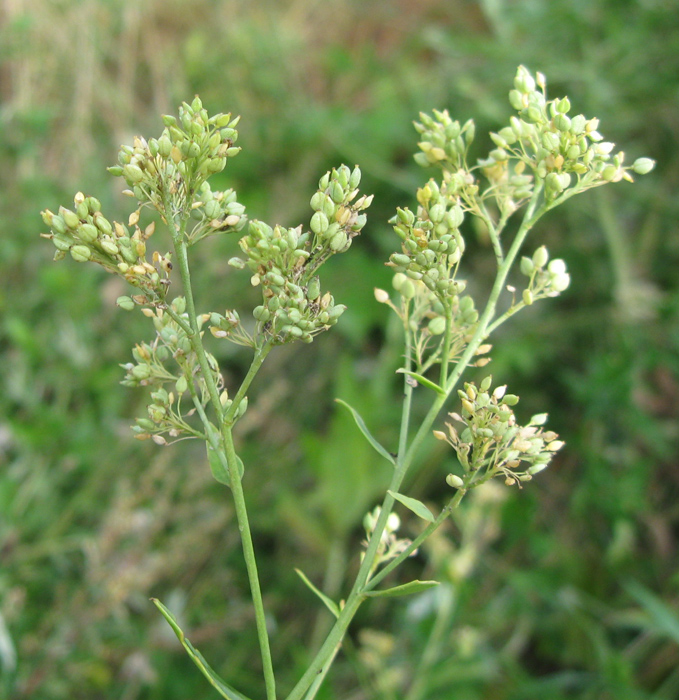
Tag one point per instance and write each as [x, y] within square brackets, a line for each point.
[543, 157]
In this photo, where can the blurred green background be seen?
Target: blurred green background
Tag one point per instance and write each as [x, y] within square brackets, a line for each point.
[566, 589]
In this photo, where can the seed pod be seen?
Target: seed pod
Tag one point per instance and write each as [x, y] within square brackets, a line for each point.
[58, 224]
[88, 233]
[437, 325]
[339, 241]
[81, 253]
[540, 257]
[62, 243]
[336, 192]
[108, 246]
[103, 224]
[133, 173]
[70, 218]
[319, 223]
[454, 481]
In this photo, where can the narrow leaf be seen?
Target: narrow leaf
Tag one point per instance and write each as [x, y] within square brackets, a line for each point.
[329, 603]
[225, 690]
[364, 429]
[665, 621]
[405, 589]
[413, 504]
[422, 380]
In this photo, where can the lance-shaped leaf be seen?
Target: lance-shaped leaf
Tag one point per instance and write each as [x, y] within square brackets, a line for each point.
[364, 429]
[224, 689]
[405, 589]
[329, 603]
[422, 380]
[413, 504]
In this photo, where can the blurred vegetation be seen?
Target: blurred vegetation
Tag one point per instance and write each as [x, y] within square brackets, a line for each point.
[569, 589]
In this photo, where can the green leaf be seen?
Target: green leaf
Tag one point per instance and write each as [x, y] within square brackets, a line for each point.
[225, 690]
[364, 429]
[219, 471]
[329, 603]
[218, 468]
[413, 504]
[664, 620]
[422, 380]
[405, 589]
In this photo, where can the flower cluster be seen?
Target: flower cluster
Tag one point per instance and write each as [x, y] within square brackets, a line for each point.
[284, 260]
[390, 545]
[150, 369]
[492, 443]
[88, 235]
[543, 143]
[189, 150]
[431, 244]
[545, 279]
[562, 150]
[425, 315]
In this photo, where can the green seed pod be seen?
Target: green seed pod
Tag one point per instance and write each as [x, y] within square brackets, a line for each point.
[82, 210]
[108, 246]
[527, 297]
[355, 178]
[314, 289]
[319, 223]
[125, 303]
[212, 209]
[133, 173]
[437, 325]
[336, 192]
[407, 289]
[104, 225]
[317, 201]
[540, 257]
[87, 233]
[527, 266]
[58, 224]
[261, 314]
[81, 253]
[128, 254]
[336, 311]
[62, 243]
[164, 145]
[642, 166]
[70, 218]
[339, 241]
[562, 122]
[454, 481]
[400, 259]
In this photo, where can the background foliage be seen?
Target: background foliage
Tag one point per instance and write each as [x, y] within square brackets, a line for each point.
[568, 589]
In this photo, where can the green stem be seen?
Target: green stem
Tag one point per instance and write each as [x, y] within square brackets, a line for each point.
[429, 530]
[250, 562]
[404, 461]
[231, 457]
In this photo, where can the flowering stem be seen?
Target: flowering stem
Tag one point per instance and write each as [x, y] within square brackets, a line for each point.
[231, 457]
